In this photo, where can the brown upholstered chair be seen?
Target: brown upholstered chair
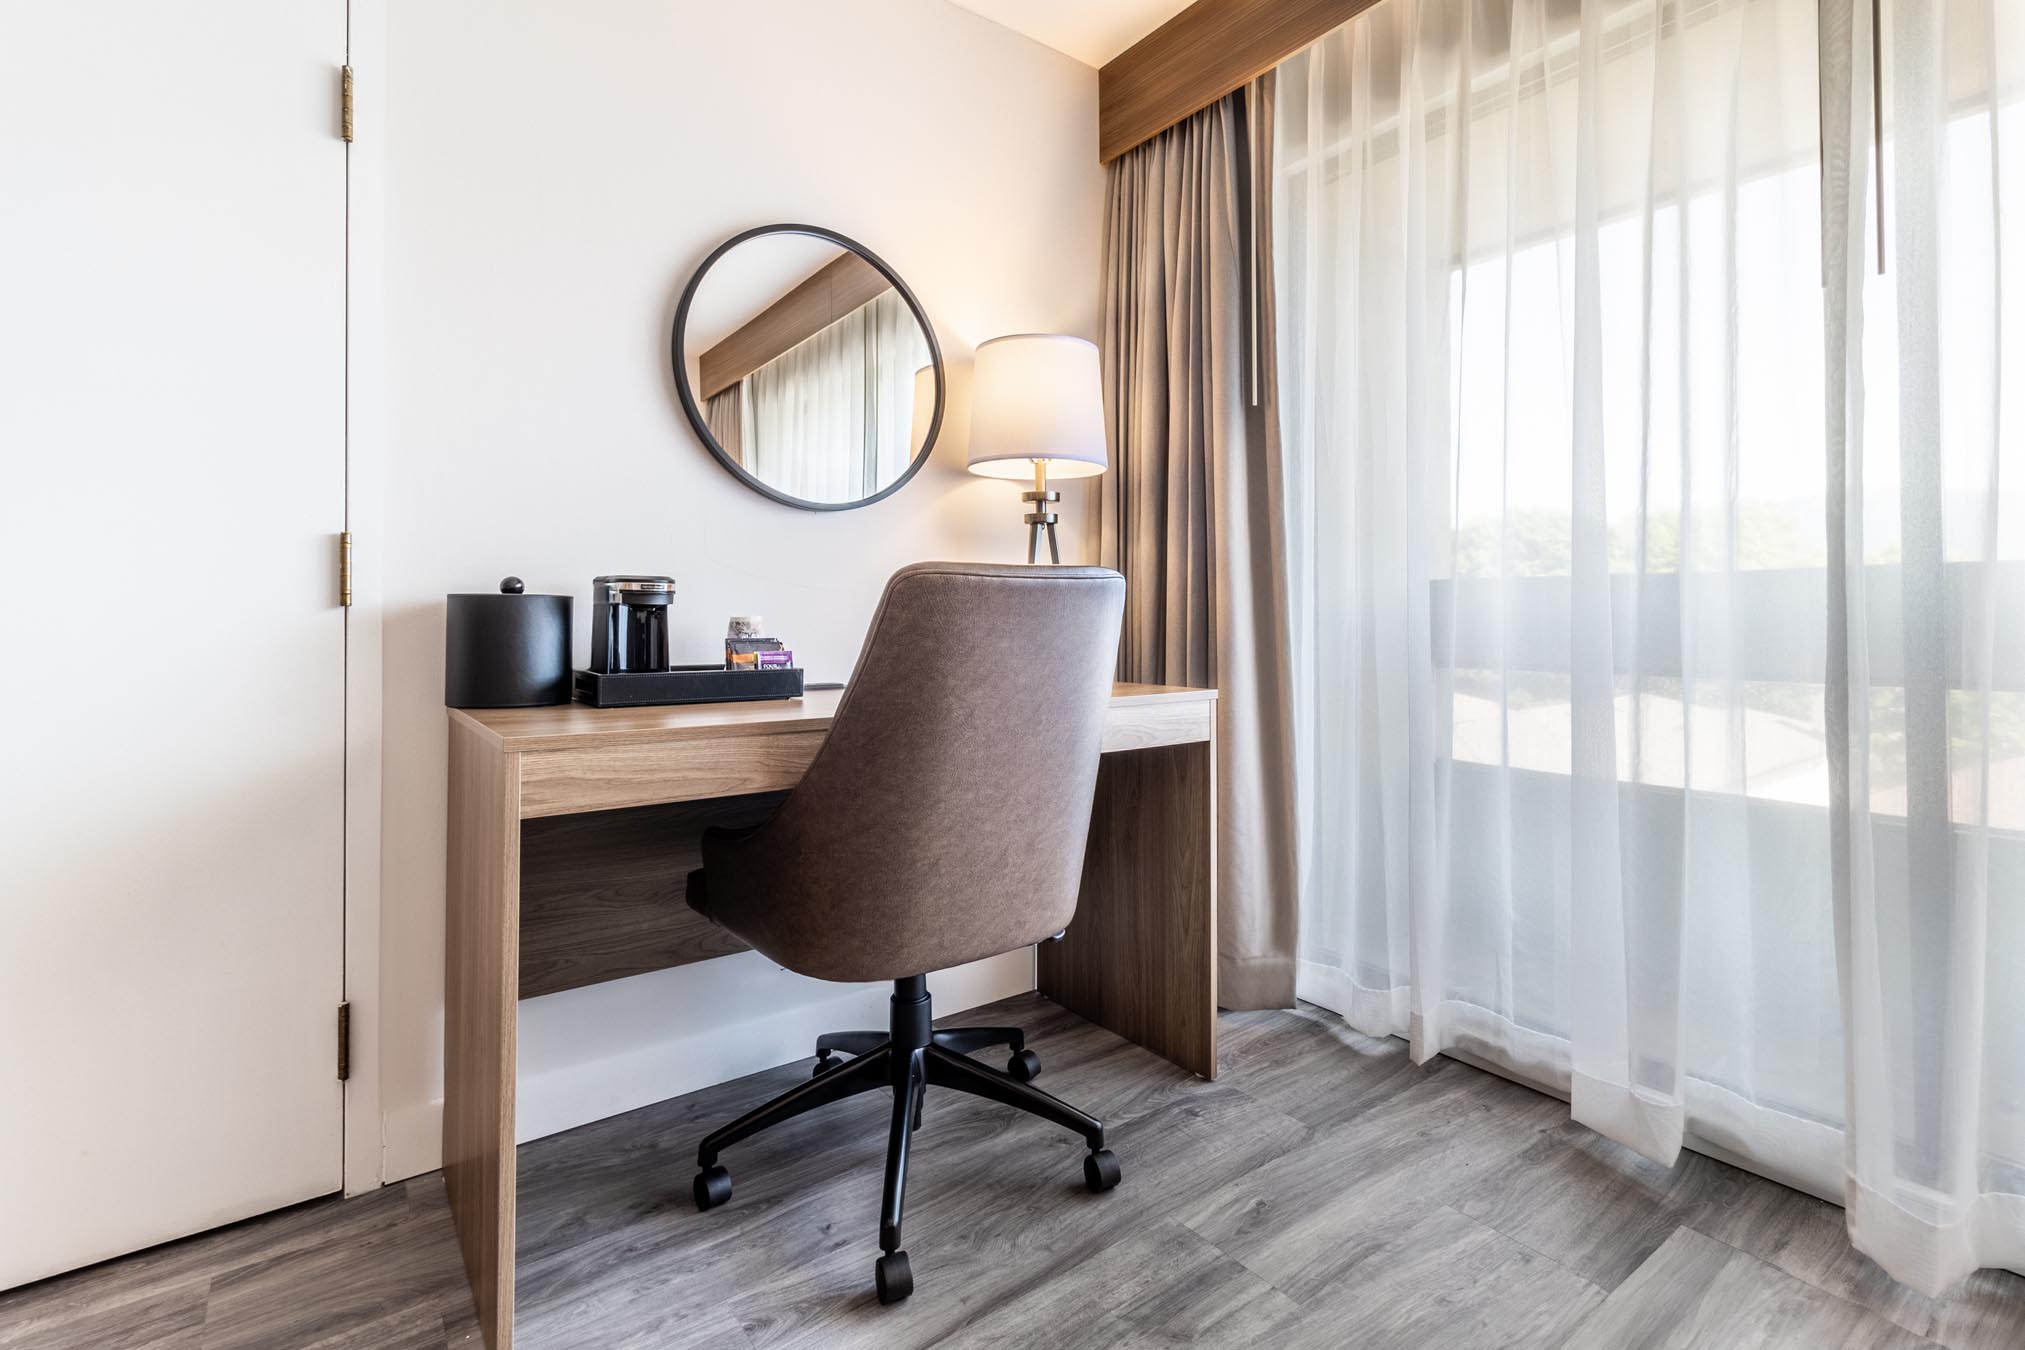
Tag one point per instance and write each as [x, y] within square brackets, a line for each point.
[942, 821]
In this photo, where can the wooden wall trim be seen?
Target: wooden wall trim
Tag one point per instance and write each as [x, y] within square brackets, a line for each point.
[835, 289]
[1198, 56]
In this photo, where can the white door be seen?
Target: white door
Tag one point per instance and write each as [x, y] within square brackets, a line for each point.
[172, 252]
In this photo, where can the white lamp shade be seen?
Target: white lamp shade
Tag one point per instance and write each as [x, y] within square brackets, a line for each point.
[924, 408]
[1036, 396]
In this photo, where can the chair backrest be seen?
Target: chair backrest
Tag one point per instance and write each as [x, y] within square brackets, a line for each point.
[944, 818]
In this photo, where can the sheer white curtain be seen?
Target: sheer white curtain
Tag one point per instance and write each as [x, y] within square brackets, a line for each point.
[804, 416]
[1927, 602]
[831, 419]
[1551, 342]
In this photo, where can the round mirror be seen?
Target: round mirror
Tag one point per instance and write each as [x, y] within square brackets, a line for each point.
[807, 367]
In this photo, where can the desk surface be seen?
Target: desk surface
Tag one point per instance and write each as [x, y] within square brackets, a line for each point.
[571, 725]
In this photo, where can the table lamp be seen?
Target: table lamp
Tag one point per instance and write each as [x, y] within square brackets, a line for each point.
[1037, 405]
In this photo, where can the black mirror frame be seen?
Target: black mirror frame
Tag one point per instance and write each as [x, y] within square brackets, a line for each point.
[695, 413]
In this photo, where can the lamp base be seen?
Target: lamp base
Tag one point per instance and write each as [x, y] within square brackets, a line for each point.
[1039, 519]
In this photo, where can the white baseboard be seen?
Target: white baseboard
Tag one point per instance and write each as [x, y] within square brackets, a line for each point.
[591, 1053]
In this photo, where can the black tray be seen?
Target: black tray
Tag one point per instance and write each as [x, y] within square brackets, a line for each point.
[687, 684]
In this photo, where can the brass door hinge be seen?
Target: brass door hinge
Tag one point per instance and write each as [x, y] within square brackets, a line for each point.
[345, 569]
[347, 98]
[344, 1041]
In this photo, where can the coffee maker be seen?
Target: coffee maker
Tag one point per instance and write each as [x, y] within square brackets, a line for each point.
[629, 624]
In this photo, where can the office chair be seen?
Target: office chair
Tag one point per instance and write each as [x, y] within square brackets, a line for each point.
[942, 821]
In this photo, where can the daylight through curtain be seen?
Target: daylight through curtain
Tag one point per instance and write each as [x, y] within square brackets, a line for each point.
[1553, 371]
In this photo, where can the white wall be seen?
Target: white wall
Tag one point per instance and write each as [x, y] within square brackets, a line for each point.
[553, 173]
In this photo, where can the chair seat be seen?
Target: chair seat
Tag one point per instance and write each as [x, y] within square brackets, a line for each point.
[697, 893]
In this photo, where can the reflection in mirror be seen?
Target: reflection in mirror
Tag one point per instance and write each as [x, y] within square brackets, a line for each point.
[809, 367]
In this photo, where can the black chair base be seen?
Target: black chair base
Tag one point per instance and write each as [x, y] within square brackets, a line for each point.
[910, 1057]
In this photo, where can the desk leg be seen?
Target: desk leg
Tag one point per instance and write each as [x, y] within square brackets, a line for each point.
[481, 978]
[1140, 955]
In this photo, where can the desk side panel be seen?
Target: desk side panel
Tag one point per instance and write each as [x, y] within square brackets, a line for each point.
[1140, 955]
[481, 987]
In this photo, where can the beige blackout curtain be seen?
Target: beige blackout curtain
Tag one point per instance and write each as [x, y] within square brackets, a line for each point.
[724, 414]
[1192, 504]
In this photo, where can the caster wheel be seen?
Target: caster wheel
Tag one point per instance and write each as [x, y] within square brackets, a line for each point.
[1100, 1170]
[823, 1065]
[1025, 1065]
[713, 1187]
[893, 1276]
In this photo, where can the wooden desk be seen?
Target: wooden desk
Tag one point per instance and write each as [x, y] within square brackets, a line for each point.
[572, 830]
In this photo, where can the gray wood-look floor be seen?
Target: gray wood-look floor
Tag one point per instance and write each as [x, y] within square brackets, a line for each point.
[1324, 1192]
